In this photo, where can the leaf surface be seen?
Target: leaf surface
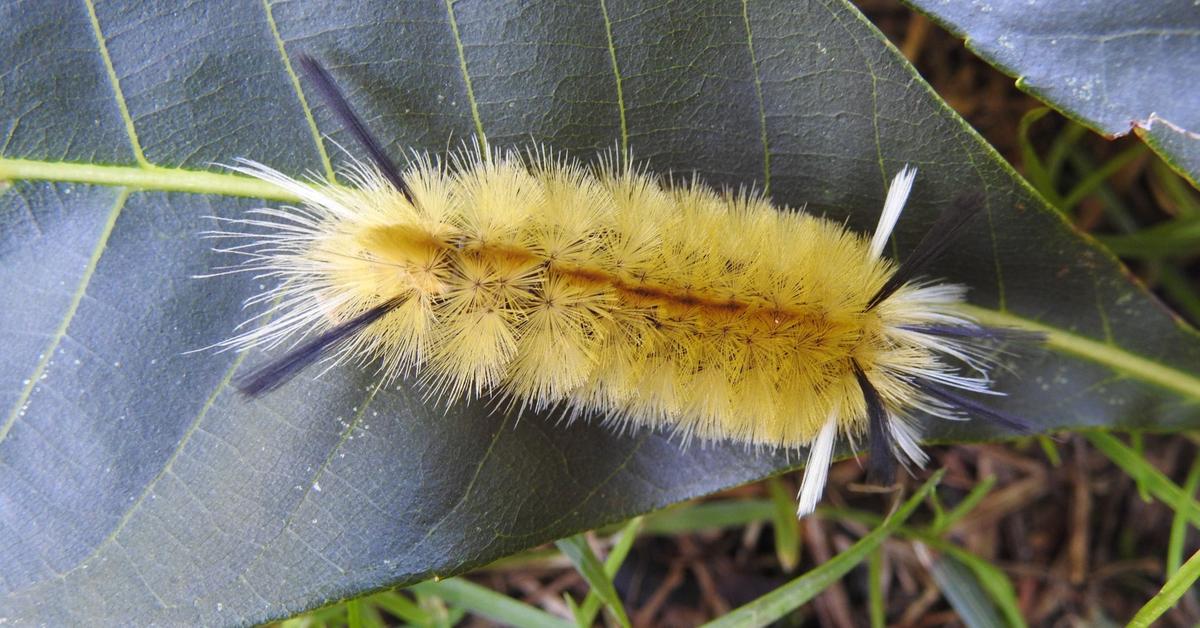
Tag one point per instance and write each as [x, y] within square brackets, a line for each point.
[1112, 66]
[137, 487]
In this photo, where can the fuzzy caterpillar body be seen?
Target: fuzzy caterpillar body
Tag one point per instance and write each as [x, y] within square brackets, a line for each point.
[606, 291]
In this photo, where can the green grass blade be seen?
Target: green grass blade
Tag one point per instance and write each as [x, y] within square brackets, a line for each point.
[708, 516]
[1177, 190]
[620, 550]
[1035, 172]
[1061, 148]
[354, 614]
[1178, 287]
[997, 584]
[439, 615]
[577, 611]
[371, 617]
[612, 564]
[878, 610]
[965, 506]
[586, 563]
[1175, 587]
[1138, 445]
[1179, 523]
[487, 603]
[1136, 467]
[1050, 449]
[529, 559]
[333, 615]
[1100, 175]
[993, 580]
[786, 525]
[783, 600]
[1178, 237]
[401, 607]
[965, 592]
[1114, 205]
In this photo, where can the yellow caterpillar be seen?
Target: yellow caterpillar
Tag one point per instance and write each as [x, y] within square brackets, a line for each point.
[606, 292]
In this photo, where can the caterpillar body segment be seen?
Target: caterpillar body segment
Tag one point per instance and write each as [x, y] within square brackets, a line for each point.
[536, 280]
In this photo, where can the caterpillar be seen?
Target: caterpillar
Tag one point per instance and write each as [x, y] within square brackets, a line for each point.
[605, 291]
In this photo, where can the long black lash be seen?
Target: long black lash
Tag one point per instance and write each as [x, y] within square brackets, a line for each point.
[944, 231]
[881, 467]
[275, 373]
[941, 393]
[978, 332]
[337, 101]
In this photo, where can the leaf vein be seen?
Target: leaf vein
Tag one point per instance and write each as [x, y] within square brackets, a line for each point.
[166, 469]
[61, 331]
[762, 110]
[320, 472]
[462, 65]
[612, 55]
[295, 82]
[113, 80]
[487, 454]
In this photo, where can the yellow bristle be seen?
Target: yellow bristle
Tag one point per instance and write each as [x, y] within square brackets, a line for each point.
[610, 293]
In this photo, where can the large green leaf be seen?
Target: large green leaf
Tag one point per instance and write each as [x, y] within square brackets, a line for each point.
[1113, 66]
[136, 487]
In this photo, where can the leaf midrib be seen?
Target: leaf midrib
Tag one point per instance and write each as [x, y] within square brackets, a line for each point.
[1118, 359]
[155, 178]
[143, 178]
